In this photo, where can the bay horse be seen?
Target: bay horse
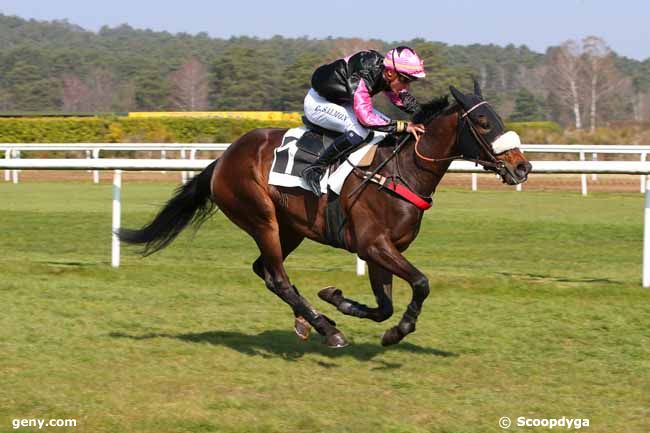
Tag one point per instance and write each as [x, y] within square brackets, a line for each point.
[380, 225]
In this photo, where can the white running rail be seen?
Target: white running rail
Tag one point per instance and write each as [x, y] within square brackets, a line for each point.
[189, 151]
[92, 150]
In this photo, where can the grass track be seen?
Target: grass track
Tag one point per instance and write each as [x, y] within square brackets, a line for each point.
[536, 310]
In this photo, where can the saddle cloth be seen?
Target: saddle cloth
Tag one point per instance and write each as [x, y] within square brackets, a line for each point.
[290, 159]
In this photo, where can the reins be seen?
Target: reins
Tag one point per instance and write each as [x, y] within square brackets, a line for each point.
[367, 177]
[434, 160]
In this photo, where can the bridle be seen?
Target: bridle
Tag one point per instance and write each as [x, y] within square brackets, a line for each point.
[464, 120]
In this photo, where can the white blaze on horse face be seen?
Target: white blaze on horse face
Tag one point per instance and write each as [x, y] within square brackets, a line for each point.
[508, 141]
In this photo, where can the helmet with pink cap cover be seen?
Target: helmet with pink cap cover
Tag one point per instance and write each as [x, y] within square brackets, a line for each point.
[405, 61]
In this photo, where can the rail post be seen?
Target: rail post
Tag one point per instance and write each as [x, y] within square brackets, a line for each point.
[583, 177]
[646, 238]
[361, 267]
[95, 153]
[117, 210]
[644, 177]
[14, 173]
[183, 173]
[7, 171]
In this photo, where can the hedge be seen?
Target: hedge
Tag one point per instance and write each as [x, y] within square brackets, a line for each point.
[113, 129]
[126, 130]
[523, 127]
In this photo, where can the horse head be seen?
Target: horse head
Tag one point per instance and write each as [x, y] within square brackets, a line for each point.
[482, 137]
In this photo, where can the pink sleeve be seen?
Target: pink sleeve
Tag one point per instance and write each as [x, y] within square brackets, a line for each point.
[363, 107]
[394, 98]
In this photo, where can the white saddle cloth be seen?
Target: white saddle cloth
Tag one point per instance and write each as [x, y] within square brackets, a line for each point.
[334, 180]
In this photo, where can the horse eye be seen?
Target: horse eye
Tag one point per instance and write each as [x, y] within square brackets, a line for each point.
[483, 122]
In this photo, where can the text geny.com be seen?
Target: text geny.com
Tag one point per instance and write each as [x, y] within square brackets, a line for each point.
[40, 423]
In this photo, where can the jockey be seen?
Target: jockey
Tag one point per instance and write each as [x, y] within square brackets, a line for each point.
[340, 100]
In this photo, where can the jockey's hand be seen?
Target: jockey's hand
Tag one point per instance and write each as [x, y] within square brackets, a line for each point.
[416, 129]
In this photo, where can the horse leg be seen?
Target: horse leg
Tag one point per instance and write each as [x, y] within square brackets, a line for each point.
[384, 253]
[289, 241]
[381, 282]
[268, 241]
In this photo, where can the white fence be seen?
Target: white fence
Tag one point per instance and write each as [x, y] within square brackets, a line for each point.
[594, 150]
[189, 151]
[595, 167]
[93, 151]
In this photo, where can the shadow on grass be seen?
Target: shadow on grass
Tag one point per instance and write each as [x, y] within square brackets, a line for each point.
[286, 345]
[71, 264]
[557, 279]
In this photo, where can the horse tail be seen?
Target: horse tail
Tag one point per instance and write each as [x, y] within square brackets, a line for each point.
[190, 204]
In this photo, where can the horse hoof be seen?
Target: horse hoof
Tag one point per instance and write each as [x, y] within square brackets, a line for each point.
[336, 341]
[302, 328]
[391, 336]
[331, 295]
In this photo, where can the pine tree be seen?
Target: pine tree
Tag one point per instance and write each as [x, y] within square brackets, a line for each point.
[527, 107]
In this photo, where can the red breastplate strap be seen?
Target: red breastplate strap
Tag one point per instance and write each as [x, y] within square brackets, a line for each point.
[401, 191]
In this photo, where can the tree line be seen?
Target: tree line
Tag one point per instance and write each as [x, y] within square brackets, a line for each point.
[57, 66]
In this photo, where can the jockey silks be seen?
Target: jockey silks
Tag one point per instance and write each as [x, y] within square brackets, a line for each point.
[353, 81]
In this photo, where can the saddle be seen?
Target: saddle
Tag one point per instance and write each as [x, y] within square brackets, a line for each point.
[316, 139]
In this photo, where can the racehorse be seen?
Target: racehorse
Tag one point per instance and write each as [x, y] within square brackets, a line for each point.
[380, 223]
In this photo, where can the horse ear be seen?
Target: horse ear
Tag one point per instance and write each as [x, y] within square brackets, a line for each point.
[458, 95]
[477, 89]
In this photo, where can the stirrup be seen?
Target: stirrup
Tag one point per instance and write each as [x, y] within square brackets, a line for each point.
[313, 175]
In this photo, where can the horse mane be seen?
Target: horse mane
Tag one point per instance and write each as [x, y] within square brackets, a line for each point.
[431, 109]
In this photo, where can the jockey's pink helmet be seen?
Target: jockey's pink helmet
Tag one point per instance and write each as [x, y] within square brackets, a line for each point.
[405, 61]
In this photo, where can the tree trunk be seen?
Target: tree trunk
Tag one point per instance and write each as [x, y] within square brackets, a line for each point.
[576, 104]
[637, 106]
[484, 77]
[594, 98]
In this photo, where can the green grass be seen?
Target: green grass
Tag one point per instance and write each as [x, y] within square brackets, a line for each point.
[536, 310]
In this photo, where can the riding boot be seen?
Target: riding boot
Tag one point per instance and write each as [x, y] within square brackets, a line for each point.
[314, 172]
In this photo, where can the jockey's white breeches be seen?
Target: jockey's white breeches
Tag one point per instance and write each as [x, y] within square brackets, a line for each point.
[340, 118]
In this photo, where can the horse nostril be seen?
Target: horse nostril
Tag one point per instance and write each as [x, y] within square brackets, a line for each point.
[523, 168]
